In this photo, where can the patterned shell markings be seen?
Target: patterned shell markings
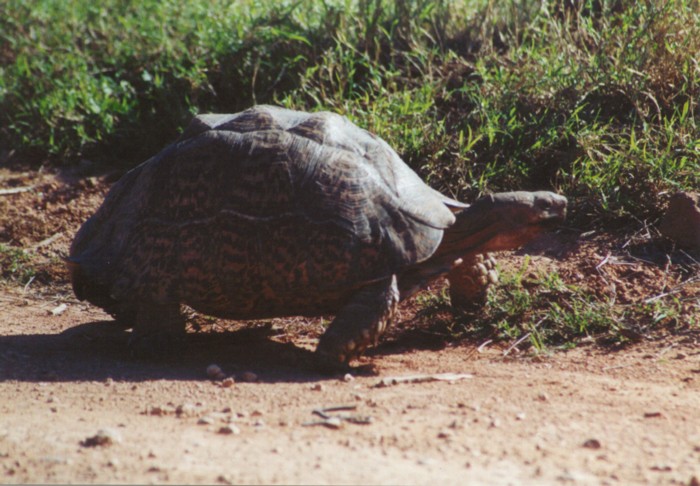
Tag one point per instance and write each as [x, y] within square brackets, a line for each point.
[263, 213]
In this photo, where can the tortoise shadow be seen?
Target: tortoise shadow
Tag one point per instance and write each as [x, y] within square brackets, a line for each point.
[97, 351]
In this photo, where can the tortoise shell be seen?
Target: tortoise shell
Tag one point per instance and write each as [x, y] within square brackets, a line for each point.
[263, 213]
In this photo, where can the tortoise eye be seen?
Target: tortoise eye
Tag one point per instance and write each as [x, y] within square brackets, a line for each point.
[545, 204]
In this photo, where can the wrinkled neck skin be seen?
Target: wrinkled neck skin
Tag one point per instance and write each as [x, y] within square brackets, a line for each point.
[497, 222]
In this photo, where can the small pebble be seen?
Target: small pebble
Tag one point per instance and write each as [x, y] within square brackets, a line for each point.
[592, 444]
[520, 416]
[652, 414]
[348, 377]
[185, 410]
[318, 387]
[229, 429]
[214, 371]
[103, 437]
[248, 376]
[228, 382]
[543, 397]
[205, 421]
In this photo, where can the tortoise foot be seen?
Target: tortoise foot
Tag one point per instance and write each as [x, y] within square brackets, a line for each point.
[470, 281]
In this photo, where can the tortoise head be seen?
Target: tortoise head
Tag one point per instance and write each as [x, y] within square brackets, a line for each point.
[504, 221]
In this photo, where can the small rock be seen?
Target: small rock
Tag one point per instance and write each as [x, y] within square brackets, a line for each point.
[57, 311]
[592, 444]
[694, 481]
[214, 372]
[229, 429]
[228, 382]
[520, 416]
[348, 377]
[543, 397]
[318, 387]
[248, 376]
[652, 414]
[103, 437]
[445, 434]
[185, 410]
[205, 421]
[681, 223]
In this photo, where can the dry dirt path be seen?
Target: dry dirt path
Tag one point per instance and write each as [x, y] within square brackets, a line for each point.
[577, 417]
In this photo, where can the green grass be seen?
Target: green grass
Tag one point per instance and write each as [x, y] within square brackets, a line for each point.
[599, 101]
[546, 313]
[16, 265]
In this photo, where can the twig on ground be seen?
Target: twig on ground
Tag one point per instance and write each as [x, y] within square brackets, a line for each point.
[396, 380]
[15, 190]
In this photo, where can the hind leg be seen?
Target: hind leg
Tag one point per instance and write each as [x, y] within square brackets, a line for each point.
[158, 330]
[359, 323]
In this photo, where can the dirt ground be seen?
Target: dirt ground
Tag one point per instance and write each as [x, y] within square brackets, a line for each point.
[420, 408]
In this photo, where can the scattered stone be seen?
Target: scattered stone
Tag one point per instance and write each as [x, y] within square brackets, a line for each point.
[694, 481]
[592, 444]
[445, 434]
[248, 376]
[228, 382]
[317, 387]
[215, 372]
[58, 310]
[681, 223]
[229, 429]
[520, 416]
[348, 377]
[542, 397]
[223, 480]
[185, 410]
[206, 420]
[652, 414]
[103, 437]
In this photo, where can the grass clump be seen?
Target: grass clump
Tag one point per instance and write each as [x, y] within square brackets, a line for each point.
[542, 311]
[596, 99]
[16, 265]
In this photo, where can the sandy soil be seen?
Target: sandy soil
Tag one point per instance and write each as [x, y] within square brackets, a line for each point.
[76, 408]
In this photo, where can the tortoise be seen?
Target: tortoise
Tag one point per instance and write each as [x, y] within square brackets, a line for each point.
[273, 212]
